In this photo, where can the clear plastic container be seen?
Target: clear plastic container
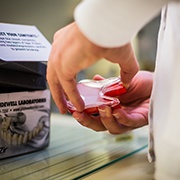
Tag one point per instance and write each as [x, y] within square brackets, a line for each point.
[99, 92]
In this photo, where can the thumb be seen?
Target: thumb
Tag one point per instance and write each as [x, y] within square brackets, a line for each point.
[128, 70]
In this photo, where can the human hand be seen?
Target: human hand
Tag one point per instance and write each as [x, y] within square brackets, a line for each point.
[133, 113]
[72, 52]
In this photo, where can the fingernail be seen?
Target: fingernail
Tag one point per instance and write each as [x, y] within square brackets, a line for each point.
[116, 116]
[126, 85]
[102, 112]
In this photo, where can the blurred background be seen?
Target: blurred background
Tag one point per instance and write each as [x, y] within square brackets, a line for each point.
[50, 15]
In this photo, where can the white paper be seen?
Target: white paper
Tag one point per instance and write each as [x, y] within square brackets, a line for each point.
[22, 43]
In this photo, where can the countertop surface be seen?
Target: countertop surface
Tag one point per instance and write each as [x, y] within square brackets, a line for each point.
[76, 152]
[135, 167]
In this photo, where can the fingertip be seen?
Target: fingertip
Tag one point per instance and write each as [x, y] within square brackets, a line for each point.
[63, 111]
[76, 115]
[62, 107]
[126, 85]
[98, 77]
[79, 116]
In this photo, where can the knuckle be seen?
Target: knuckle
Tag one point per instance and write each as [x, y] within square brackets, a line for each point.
[85, 123]
[56, 34]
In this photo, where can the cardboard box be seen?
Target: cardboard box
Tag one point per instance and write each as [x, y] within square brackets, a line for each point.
[24, 122]
[24, 97]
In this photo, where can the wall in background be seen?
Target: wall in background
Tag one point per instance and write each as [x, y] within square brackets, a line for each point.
[47, 15]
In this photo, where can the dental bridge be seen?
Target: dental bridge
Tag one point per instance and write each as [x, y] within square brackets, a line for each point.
[14, 132]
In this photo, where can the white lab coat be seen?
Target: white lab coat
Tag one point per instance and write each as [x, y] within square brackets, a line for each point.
[112, 23]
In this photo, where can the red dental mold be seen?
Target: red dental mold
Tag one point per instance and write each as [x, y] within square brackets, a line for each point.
[99, 92]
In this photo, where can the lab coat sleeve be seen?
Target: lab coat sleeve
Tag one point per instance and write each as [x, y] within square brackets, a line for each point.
[113, 23]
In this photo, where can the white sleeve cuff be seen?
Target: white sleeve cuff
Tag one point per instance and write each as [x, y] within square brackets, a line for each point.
[113, 23]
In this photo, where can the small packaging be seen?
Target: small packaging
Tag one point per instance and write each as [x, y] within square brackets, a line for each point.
[96, 93]
[24, 97]
[24, 122]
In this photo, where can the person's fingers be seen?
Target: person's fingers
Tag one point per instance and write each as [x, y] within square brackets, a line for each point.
[134, 119]
[111, 124]
[91, 122]
[126, 59]
[139, 89]
[98, 77]
[116, 122]
[65, 70]
[56, 89]
[73, 93]
[69, 56]
[129, 68]
[66, 73]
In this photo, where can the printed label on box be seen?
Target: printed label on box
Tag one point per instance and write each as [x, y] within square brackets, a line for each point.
[24, 122]
[22, 43]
